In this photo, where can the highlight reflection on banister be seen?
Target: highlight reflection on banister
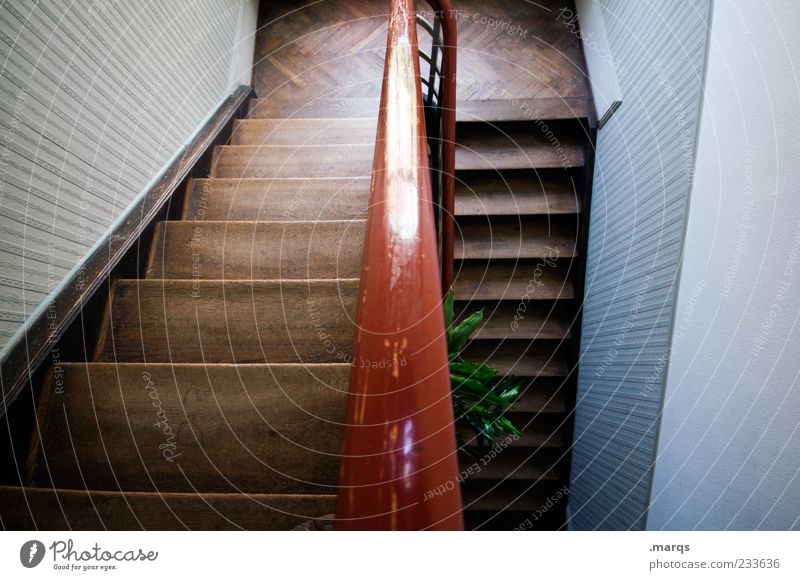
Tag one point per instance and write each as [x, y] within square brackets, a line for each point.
[399, 441]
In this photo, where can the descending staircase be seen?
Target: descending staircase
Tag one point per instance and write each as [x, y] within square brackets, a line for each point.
[521, 174]
[216, 395]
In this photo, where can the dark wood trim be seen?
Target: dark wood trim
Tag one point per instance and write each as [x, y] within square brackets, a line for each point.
[579, 277]
[44, 331]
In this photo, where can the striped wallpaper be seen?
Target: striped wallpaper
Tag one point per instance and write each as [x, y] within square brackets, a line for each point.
[644, 163]
[96, 98]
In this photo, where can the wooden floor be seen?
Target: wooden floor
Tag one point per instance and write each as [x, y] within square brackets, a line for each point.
[337, 46]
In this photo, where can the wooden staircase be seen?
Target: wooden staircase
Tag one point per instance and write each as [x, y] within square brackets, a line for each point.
[216, 395]
[521, 179]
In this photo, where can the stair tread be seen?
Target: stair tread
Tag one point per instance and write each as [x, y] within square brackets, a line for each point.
[513, 464]
[268, 161]
[513, 496]
[545, 109]
[226, 428]
[518, 320]
[542, 396]
[484, 147]
[236, 321]
[319, 131]
[515, 194]
[257, 250]
[504, 238]
[513, 281]
[279, 199]
[32, 508]
[518, 357]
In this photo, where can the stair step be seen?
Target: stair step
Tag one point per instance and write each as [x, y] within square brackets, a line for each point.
[67, 509]
[513, 496]
[543, 395]
[328, 108]
[257, 250]
[495, 111]
[304, 131]
[538, 431]
[513, 463]
[286, 321]
[269, 161]
[519, 320]
[508, 520]
[491, 194]
[519, 357]
[203, 427]
[546, 109]
[550, 109]
[291, 199]
[482, 147]
[512, 237]
[513, 280]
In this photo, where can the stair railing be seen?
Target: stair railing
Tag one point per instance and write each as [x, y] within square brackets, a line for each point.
[399, 468]
[439, 95]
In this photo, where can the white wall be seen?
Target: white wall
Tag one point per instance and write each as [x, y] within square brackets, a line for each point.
[729, 443]
[96, 99]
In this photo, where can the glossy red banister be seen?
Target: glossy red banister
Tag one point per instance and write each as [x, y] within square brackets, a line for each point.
[399, 468]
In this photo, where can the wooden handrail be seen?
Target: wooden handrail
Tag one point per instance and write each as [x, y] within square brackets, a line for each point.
[399, 467]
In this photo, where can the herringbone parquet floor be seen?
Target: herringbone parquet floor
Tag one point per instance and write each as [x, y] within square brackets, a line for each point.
[508, 49]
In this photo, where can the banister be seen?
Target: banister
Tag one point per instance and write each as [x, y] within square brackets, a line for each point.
[399, 468]
[447, 17]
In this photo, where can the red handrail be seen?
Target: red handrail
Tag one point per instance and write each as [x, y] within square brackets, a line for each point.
[399, 468]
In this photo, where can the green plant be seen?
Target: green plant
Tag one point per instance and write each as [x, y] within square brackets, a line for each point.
[479, 400]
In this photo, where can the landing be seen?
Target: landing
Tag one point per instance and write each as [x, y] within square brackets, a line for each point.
[508, 49]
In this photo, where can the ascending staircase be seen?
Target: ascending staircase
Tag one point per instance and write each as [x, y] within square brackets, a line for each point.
[217, 392]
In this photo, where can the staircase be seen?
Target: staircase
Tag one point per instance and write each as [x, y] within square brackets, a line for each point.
[222, 374]
[521, 175]
[215, 393]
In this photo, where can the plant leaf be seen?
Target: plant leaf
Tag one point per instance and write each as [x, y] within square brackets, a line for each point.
[479, 372]
[449, 315]
[459, 335]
